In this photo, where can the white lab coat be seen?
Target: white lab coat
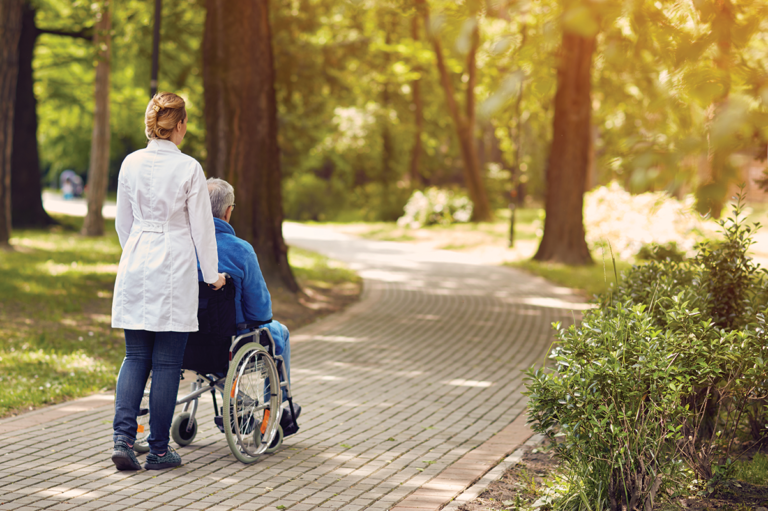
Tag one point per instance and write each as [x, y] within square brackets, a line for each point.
[163, 217]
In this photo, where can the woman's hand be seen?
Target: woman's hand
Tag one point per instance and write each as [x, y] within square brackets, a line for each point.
[219, 283]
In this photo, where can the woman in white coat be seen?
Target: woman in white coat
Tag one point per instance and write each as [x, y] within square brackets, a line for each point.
[163, 219]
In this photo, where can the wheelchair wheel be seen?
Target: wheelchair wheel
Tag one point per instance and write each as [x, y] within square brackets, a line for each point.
[141, 444]
[277, 442]
[179, 431]
[251, 403]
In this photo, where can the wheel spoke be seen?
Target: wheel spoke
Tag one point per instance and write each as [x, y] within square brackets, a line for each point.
[251, 396]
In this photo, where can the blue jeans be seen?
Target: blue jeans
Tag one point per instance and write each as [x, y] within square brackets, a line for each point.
[282, 347]
[163, 353]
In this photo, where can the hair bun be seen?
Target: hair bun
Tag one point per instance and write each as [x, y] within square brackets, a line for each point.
[164, 111]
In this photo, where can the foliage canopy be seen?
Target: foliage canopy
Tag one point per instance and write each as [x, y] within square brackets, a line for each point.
[673, 84]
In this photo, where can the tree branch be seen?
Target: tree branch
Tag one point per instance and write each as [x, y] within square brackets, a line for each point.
[445, 78]
[86, 33]
[472, 71]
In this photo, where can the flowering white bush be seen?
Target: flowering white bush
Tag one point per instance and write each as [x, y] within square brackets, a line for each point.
[613, 215]
[435, 206]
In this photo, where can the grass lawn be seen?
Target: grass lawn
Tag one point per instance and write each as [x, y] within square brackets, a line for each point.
[461, 237]
[56, 342]
[593, 280]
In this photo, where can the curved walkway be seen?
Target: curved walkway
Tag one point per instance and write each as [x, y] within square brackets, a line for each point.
[398, 392]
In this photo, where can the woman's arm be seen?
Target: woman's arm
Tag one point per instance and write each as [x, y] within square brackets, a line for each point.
[124, 214]
[202, 227]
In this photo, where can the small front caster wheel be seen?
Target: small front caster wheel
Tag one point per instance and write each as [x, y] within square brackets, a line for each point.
[179, 431]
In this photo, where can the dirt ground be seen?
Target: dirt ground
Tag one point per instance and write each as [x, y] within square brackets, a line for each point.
[521, 486]
[314, 303]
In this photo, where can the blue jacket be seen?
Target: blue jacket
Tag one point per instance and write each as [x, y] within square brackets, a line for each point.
[252, 299]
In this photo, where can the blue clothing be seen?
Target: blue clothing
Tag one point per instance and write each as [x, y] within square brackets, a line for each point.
[252, 299]
[162, 352]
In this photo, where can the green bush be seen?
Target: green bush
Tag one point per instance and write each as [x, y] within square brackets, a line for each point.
[662, 379]
[660, 252]
[379, 202]
[609, 396]
[308, 197]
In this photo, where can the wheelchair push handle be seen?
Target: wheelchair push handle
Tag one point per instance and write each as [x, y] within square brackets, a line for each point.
[253, 325]
[226, 276]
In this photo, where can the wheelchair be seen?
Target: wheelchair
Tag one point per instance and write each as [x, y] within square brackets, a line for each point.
[243, 369]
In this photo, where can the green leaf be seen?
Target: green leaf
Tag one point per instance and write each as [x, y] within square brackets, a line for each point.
[580, 20]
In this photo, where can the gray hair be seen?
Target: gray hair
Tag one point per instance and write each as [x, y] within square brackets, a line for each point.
[222, 196]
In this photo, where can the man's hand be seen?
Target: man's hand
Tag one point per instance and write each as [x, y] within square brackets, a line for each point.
[219, 283]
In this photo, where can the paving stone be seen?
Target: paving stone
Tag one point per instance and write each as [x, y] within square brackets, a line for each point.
[426, 367]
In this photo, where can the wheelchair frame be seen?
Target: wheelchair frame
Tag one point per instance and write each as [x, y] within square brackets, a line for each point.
[247, 440]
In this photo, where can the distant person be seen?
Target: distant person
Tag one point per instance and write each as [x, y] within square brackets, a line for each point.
[252, 300]
[163, 218]
[68, 189]
[75, 182]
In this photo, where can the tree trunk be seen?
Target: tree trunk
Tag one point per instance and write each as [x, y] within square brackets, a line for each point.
[464, 122]
[241, 122]
[414, 176]
[26, 188]
[10, 32]
[386, 177]
[515, 198]
[564, 237]
[98, 173]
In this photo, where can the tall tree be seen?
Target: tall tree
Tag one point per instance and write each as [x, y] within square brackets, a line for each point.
[26, 188]
[241, 122]
[387, 175]
[414, 175]
[10, 32]
[98, 173]
[564, 236]
[464, 122]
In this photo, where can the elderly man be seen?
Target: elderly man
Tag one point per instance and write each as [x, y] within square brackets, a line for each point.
[238, 259]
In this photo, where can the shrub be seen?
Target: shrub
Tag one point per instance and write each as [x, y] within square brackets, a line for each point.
[731, 281]
[379, 202]
[609, 397]
[660, 252]
[436, 206]
[665, 375]
[308, 197]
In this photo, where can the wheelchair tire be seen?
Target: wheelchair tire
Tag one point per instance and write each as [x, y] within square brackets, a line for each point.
[252, 405]
[141, 445]
[276, 442]
[179, 431]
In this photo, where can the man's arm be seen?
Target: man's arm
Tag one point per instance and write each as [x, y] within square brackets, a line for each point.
[257, 303]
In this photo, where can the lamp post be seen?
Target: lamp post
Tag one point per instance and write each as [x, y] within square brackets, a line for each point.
[156, 48]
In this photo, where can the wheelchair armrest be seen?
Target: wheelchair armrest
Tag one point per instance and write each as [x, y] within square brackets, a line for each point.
[249, 325]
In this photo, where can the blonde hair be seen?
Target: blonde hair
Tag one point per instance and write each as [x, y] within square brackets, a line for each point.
[164, 112]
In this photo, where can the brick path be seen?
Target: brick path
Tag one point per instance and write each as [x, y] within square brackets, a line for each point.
[397, 393]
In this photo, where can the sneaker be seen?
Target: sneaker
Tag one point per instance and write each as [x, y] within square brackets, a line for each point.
[169, 460]
[124, 458]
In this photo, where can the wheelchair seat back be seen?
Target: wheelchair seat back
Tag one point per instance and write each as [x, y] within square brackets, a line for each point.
[208, 349]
